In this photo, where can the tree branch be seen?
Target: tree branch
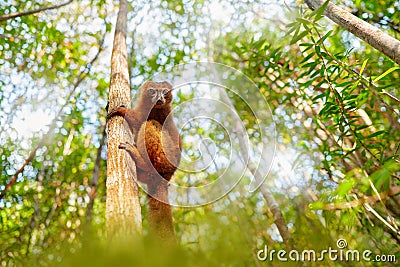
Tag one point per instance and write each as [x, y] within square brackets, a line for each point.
[269, 198]
[53, 124]
[381, 17]
[25, 13]
[363, 30]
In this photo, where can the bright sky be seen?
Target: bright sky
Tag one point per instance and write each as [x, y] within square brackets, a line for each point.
[35, 119]
[31, 122]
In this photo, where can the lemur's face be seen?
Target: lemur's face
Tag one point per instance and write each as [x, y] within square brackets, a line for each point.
[159, 93]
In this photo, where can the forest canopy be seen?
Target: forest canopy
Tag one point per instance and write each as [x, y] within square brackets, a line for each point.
[290, 130]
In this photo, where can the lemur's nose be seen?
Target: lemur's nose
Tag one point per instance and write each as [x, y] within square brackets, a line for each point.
[159, 102]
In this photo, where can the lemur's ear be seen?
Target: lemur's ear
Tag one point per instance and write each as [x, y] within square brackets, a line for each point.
[167, 84]
[145, 84]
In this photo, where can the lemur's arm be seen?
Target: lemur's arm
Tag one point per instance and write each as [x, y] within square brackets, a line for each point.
[136, 156]
[130, 115]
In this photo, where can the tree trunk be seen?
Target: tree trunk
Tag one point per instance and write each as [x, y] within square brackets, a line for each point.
[363, 30]
[123, 211]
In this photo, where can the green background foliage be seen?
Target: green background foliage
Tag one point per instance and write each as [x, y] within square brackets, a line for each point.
[332, 98]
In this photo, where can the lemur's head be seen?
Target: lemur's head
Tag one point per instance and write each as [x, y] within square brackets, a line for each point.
[158, 94]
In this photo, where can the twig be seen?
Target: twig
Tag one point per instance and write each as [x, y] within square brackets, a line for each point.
[376, 214]
[269, 198]
[366, 199]
[53, 124]
[25, 13]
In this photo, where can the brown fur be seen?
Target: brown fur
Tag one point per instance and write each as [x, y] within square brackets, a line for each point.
[157, 151]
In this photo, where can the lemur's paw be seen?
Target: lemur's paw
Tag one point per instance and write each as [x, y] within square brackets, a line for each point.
[126, 146]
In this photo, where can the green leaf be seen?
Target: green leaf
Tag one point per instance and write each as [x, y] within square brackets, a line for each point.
[293, 24]
[325, 36]
[345, 187]
[317, 13]
[303, 21]
[295, 27]
[381, 178]
[386, 73]
[361, 127]
[344, 84]
[297, 37]
[363, 66]
[318, 97]
[376, 134]
[307, 57]
[308, 46]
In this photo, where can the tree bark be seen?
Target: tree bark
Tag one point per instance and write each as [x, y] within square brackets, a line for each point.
[363, 30]
[123, 211]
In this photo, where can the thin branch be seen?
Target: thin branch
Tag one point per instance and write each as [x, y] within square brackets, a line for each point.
[394, 98]
[53, 124]
[380, 200]
[364, 200]
[269, 198]
[377, 215]
[25, 13]
[373, 36]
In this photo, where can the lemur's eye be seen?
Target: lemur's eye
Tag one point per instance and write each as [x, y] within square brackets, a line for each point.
[151, 91]
[165, 91]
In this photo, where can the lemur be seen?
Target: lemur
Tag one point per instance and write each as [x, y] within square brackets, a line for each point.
[157, 152]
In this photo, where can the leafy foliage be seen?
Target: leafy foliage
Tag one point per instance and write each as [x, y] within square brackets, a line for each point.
[333, 99]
